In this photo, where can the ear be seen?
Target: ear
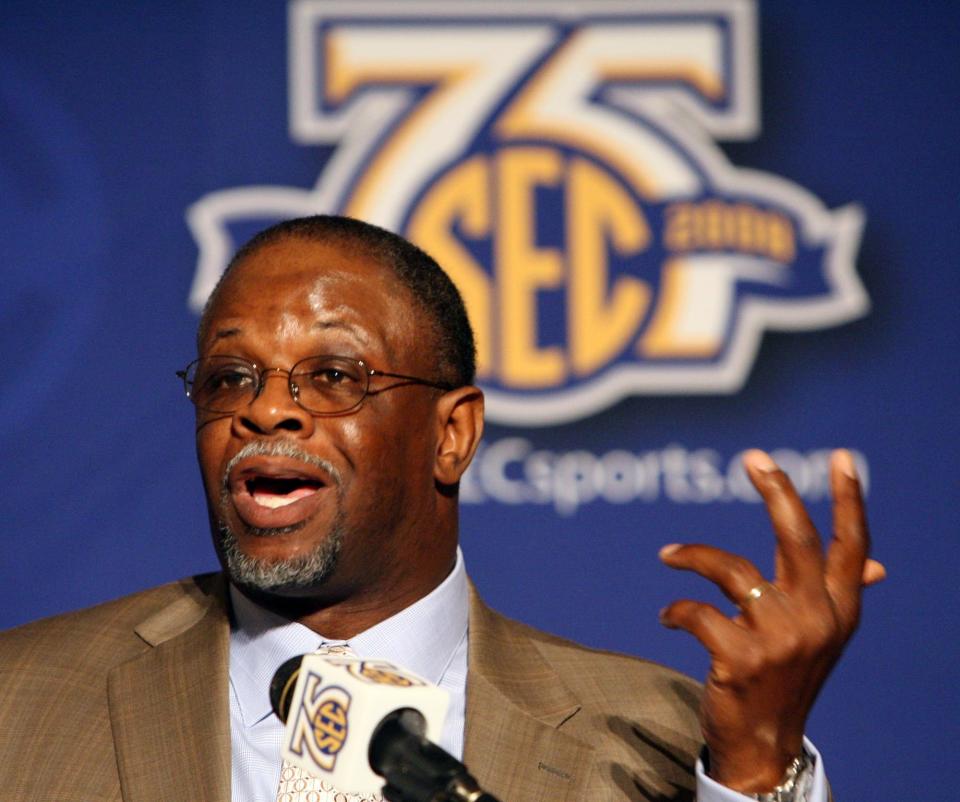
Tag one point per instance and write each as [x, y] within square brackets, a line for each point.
[459, 428]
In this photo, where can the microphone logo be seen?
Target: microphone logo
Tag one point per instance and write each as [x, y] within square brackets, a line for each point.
[382, 673]
[320, 727]
[336, 707]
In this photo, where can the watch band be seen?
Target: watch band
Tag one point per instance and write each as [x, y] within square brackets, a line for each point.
[793, 787]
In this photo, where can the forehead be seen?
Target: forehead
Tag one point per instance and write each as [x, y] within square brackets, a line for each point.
[303, 290]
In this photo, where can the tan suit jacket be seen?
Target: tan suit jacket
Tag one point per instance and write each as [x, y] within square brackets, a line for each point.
[129, 701]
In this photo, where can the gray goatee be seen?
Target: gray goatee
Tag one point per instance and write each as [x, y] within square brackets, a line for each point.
[297, 573]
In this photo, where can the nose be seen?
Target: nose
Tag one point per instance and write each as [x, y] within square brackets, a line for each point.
[273, 411]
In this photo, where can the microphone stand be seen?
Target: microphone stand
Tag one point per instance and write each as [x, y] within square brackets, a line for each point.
[415, 769]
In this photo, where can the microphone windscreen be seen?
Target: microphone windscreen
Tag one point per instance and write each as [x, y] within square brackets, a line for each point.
[332, 705]
[282, 686]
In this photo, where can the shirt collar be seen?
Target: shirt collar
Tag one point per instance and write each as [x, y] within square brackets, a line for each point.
[422, 638]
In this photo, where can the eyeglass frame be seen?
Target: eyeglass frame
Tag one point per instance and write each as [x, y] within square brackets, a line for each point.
[294, 389]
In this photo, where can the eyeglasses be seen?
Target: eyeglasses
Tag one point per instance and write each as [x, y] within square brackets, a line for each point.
[322, 385]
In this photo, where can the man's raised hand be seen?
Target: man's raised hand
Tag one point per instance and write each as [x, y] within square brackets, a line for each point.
[770, 660]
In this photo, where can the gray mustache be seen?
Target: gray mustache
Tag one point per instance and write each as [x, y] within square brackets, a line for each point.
[279, 448]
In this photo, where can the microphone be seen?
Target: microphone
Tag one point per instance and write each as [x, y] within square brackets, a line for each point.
[347, 718]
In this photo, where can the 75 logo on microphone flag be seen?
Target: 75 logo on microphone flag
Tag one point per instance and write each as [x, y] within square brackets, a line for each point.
[560, 162]
[337, 704]
[319, 726]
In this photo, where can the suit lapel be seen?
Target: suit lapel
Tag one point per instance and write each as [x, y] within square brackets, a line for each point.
[516, 705]
[169, 707]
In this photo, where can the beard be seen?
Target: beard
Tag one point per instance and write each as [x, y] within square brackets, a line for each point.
[299, 573]
[303, 572]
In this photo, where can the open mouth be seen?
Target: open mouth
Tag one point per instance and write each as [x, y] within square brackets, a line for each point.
[272, 492]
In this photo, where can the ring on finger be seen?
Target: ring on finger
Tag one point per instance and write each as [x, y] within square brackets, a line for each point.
[755, 593]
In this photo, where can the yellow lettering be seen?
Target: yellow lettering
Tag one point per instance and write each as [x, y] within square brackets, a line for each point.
[749, 237]
[711, 220]
[461, 196]
[676, 234]
[716, 225]
[522, 268]
[782, 246]
[597, 206]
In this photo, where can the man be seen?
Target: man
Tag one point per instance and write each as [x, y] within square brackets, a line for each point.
[335, 417]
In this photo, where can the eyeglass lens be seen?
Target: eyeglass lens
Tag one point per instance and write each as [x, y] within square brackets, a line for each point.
[323, 384]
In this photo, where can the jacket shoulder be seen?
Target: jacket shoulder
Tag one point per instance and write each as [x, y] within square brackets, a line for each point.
[629, 696]
[605, 682]
[92, 639]
[593, 670]
[639, 719]
[55, 714]
[598, 672]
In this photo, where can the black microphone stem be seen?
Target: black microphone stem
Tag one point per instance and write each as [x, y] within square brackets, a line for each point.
[415, 769]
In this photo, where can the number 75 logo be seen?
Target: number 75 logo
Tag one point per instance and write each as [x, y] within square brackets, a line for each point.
[558, 160]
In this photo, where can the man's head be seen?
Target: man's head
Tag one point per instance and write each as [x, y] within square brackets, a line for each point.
[431, 289]
[358, 505]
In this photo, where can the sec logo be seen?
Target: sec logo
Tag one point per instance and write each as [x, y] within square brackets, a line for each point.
[381, 673]
[320, 727]
[559, 161]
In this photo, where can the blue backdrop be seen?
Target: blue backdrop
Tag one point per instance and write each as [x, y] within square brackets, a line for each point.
[118, 118]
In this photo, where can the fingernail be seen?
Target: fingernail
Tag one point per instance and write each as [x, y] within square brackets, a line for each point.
[663, 619]
[759, 460]
[843, 459]
[873, 572]
[667, 550]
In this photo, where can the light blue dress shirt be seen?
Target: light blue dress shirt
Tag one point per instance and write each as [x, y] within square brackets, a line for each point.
[429, 637]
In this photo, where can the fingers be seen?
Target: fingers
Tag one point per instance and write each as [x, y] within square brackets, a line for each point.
[803, 574]
[799, 561]
[847, 555]
[708, 625]
[738, 578]
[768, 664]
[734, 575]
[847, 569]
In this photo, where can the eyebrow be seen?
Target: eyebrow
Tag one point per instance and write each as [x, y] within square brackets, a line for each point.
[223, 334]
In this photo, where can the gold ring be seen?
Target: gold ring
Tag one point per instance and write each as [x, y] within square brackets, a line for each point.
[755, 592]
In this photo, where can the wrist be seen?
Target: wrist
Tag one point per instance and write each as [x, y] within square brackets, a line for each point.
[749, 772]
[795, 783]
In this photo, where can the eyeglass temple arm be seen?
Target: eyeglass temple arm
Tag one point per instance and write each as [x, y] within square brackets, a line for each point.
[439, 385]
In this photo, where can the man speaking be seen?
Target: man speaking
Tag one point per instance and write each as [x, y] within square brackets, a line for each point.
[336, 414]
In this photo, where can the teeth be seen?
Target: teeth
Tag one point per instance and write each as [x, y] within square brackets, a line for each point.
[273, 502]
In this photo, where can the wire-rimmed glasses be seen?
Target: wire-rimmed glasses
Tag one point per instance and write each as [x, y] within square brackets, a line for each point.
[322, 385]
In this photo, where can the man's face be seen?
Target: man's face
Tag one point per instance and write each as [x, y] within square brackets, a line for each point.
[300, 502]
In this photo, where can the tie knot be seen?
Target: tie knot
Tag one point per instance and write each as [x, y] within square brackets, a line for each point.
[335, 648]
